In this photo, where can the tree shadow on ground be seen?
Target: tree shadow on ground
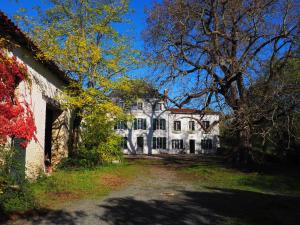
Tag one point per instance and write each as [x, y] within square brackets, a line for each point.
[44, 216]
[175, 161]
[215, 206]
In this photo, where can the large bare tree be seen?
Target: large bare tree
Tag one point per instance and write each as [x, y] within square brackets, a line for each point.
[220, 48]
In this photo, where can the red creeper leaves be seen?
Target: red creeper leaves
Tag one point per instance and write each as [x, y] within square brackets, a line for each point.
[16, 118]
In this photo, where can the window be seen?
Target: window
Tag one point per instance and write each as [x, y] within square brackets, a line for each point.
[121, 104]
[177, 125]
[205, 124]
[159, 124]
[158, 106]
[121, 125]
[177, 144]
[191, 125]
[159, 143]
[139, 124]
[124, 143]
[206, 144]
[140, 105]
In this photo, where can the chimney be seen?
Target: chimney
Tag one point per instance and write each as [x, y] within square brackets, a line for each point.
[166, 91]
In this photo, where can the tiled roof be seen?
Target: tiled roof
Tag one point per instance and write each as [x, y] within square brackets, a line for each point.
[8, 28]
[191, 111]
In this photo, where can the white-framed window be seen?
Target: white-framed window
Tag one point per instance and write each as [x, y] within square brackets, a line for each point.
[177, 144]
[159, 106]
[139, 124]
[205, 124]
[159, 143]
[140, 106]
[177, 125]
[159, 124]
[121, 125]
[191, 125]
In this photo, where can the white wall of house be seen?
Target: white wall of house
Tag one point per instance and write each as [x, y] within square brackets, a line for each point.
[150, 112]
[45, 85]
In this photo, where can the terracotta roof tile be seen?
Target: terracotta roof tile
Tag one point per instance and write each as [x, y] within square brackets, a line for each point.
[191, 111]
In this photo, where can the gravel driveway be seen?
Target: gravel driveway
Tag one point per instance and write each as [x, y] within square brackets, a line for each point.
[160, 197]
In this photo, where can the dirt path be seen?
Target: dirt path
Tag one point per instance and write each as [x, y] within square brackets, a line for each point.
[158, 197]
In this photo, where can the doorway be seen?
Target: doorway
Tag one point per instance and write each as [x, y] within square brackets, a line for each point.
[192, 146]
[52, 114]
[140, 144]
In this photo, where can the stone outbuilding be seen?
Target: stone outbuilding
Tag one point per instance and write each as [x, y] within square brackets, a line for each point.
[48, 81]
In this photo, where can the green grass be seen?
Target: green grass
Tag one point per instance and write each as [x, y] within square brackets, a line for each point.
[70, 185]
[218, 176]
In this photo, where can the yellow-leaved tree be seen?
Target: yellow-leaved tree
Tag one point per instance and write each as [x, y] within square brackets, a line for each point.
[80, 36]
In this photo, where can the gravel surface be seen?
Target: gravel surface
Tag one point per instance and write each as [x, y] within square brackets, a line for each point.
[160, 197]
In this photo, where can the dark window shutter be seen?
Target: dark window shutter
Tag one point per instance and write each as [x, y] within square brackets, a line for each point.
[164, 143]
[144, 124]
[181, 144]
[154, 124]
[164, 124]
[135, 124]
[154, 142]
[125, 142]
[209, 143]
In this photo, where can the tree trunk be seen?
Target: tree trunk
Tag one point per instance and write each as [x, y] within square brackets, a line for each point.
[74, 133]
[245, 146]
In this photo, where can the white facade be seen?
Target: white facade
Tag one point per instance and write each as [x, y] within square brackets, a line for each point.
[42, 95]
[191, 136]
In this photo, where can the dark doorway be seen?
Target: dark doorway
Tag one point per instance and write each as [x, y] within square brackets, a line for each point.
[52, 114]
[140, 144]
[192, 146]
[48, 135]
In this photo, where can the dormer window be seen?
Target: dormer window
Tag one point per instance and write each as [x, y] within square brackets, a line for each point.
[159, 106]
[140, 106]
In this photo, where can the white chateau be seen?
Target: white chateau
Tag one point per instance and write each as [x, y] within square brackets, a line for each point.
[157, 129]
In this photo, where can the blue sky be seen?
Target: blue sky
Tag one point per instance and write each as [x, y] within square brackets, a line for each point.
[134, 29]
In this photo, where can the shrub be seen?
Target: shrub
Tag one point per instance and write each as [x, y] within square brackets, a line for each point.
[15, 192]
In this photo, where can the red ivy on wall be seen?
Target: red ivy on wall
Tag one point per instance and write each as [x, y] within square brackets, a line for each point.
[16, 117]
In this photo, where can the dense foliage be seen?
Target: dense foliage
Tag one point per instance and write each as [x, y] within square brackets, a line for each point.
[16, 117]
[81, 37]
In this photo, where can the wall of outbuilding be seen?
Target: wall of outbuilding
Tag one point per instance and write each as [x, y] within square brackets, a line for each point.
[44, 91]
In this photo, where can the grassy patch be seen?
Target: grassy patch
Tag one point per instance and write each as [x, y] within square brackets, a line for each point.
[69, 185]
[216, 175]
